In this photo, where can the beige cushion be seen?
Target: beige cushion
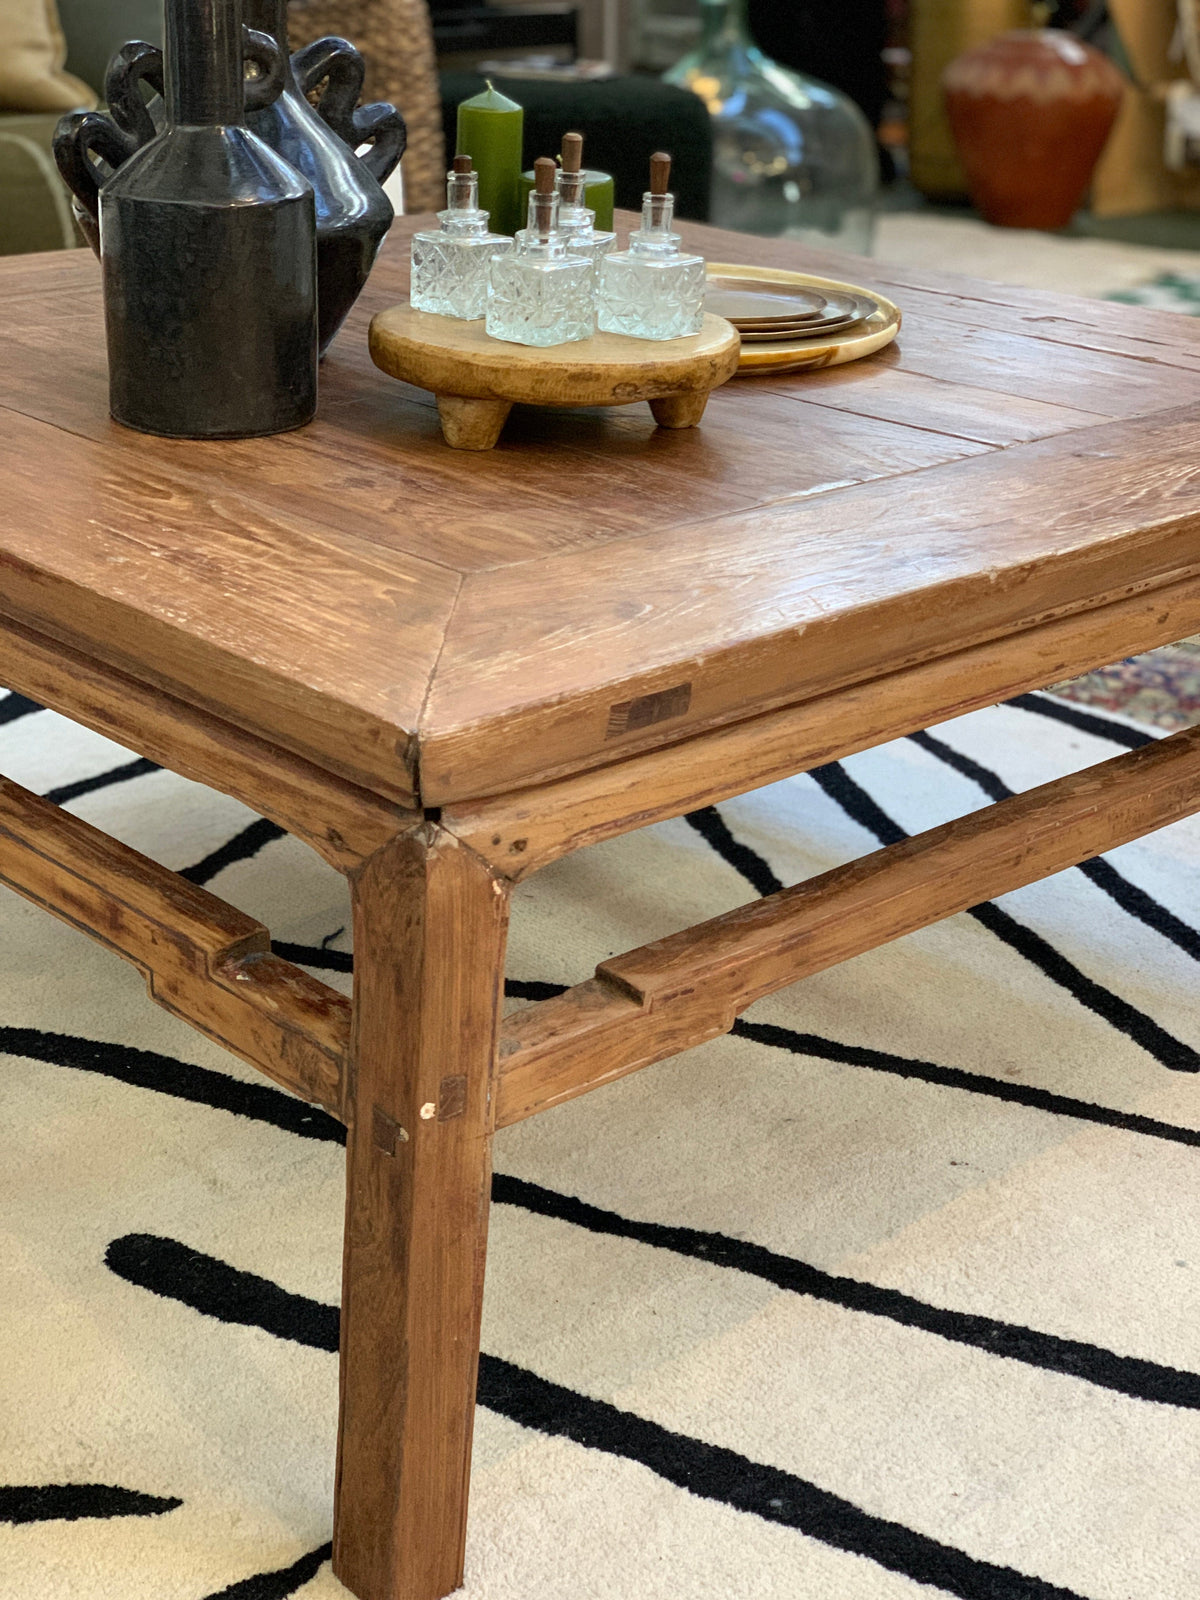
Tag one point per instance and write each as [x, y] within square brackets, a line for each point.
[32, 52]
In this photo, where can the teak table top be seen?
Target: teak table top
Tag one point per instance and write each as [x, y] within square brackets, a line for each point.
[436, 626]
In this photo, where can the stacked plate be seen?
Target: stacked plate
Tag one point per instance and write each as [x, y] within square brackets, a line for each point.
[768, 312]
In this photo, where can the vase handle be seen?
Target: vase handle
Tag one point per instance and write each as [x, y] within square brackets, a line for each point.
[81, 137]
[336, 63]
[382, 128]
[260, 50]
[134, 64]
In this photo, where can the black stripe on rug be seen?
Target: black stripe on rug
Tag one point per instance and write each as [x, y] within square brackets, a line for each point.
[1083, 721]
[71, 1502]
[1128, 1375]
[1100, 872]
[242, 847]
[1022, 1094]
[314, 955]
[145, 1069]
[712, 1472]
[1168, 1051]
[15, 705]
[715, 831]
[321, 958]
[174, 1271]
[278, 1585]
[101, 780]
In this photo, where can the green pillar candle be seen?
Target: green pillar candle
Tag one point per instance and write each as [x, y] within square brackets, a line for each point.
[598, 197]
[491, 128]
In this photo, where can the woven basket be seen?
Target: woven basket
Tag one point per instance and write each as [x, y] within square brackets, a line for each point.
[396, 38]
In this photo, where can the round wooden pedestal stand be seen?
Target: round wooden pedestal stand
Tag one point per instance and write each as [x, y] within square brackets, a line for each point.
[478, 380]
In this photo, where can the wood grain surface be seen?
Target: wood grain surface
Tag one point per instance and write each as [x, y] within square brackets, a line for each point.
[429, 931]
[438, 627]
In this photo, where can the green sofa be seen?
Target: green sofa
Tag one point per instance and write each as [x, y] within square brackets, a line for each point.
[35, 208]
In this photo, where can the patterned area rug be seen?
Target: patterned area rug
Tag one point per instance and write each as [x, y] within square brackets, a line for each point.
[893, 1293]
[1162, 687]
[1168, 291]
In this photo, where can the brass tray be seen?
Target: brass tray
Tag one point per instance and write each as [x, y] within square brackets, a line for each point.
[819, 350]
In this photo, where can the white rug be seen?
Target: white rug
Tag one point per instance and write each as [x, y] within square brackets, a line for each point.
[894, 1293]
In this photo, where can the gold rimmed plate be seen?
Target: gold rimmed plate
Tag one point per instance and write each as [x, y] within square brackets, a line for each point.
[747, 302]
[843, 310]
[803, 351]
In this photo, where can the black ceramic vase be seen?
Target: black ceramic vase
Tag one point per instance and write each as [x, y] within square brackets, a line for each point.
[208, 244]
[353, 213]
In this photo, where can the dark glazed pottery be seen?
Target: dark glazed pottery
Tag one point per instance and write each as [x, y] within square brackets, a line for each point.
[353, 213]
[208, 238]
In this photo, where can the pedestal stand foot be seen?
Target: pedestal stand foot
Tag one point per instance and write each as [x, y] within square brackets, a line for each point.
[679, 410]
[472, 424]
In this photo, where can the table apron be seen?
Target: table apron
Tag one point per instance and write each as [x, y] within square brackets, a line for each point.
[522, 831]
[342, 822]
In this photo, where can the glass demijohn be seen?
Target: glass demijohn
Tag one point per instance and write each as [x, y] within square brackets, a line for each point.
[792, 156]
[540, 293]
[652, 290]
[450, 264]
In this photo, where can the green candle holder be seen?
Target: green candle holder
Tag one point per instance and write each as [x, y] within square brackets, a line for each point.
[598, 197]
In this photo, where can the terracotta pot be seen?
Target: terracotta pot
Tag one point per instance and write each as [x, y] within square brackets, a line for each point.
[1030, 114]
[940, 30]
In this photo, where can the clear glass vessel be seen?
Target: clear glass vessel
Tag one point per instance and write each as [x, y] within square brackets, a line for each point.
[450, 264]
[652, 290]
[540, 292]
[576, 219]
[792, 156]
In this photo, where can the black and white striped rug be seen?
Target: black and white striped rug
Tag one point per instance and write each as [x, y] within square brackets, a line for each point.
[895, 1292]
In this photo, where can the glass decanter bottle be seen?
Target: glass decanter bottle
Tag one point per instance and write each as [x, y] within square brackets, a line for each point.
[450, 264]
[791, 155]
[576, 220]
[539, 293]
[652, 290]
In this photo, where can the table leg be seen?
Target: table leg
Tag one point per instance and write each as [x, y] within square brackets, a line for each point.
[430, 921]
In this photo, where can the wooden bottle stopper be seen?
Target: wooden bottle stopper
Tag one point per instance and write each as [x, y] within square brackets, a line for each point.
[544, 171]
[572, 152]
[462, 165]
[660, 172]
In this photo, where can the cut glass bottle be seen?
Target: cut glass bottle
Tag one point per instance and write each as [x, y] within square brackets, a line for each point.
[541, 292]
[576, 219]
[450, 264]
[652, 290]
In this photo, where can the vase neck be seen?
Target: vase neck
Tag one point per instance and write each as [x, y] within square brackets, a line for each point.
[203, 62]
[724, 23]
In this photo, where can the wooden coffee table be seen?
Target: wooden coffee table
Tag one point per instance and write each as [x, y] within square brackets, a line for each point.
[443, 671]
